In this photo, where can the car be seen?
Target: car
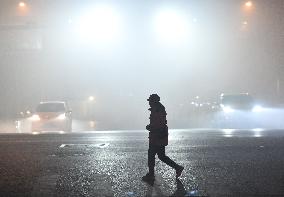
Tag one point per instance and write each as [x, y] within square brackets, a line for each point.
[231, 103]
[239, 110]
[52, 116]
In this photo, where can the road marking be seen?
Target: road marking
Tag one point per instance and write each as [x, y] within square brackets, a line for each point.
[101, 145]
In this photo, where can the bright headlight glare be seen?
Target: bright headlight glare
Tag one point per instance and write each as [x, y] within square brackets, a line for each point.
[61, 117]
[35, 117]
[257, 108]
[227, 109]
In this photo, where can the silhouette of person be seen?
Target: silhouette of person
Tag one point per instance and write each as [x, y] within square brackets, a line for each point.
[158, 138]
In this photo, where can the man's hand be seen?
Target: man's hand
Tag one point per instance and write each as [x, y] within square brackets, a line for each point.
[148, 127]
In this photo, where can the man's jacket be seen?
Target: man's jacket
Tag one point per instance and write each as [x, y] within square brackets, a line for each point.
[158, 128]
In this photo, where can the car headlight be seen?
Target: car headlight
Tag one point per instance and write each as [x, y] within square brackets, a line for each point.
[227, 109]
[61, 117]
[35, 117]
[257, 108]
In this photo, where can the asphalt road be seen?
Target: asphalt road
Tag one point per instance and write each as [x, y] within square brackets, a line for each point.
[217, 163]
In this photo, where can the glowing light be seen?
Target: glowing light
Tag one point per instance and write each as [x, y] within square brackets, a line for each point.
[248, 4]
[227, 109]
[100, 24]
[257, 108]
[22, 4]
[61, 117]
[92, 124]
[91, 98]
[244, 26]
[258, 129]
[257, 134]
[35, 117]
[170, 26]
[228, 132]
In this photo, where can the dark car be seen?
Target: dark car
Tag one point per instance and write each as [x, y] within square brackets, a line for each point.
[239, 110]
[231, 103]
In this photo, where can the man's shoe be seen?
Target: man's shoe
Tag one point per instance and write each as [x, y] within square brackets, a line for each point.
[148, 177]
[179, 171]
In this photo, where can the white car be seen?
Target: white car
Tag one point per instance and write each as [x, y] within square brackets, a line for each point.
[52, 116]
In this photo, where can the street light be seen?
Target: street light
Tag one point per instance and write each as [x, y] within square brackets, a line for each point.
[91, 98]
[22, 4]
[244, 26]
[248, 7]
[248, 4]
[22, 8]
[171, 26]
[102, 24]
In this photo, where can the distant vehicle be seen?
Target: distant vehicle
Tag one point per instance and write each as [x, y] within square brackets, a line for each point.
[239, 111]
[238, 102]
[52, 116]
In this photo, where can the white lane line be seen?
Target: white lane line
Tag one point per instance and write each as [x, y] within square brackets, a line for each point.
[62, 145]
[101, 145]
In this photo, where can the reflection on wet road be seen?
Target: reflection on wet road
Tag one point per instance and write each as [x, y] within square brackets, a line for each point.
[111, 163]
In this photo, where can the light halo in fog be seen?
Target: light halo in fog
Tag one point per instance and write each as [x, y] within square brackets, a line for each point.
[102, 24]
[171, 25]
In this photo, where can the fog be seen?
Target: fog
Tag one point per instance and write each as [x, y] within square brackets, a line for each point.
[225, 49]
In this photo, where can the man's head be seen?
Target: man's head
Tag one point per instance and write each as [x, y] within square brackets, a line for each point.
[153, 99]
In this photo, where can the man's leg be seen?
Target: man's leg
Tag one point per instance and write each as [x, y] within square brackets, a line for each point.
[150, 176]
[151, 159]
[162, 156]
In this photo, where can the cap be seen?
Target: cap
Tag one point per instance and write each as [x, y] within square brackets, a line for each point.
[154, 97]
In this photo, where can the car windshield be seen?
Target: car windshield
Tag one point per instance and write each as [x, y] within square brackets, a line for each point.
[50, 107]
[237, 100]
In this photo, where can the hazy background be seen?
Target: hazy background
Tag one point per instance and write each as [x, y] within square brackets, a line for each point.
[226, 49]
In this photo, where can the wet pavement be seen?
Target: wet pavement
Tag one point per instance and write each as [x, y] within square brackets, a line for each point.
[111, 163]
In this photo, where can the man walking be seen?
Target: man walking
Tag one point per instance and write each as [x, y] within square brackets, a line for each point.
[158, 138]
